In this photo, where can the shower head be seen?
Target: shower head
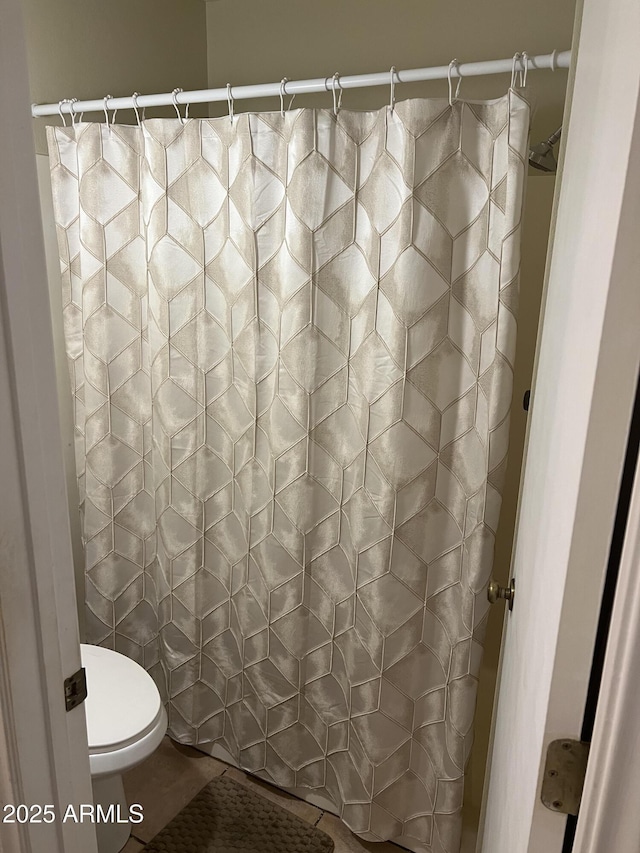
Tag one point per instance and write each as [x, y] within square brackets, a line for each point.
[541, 155]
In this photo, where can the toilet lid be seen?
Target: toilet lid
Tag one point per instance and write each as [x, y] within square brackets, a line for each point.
[123, 702]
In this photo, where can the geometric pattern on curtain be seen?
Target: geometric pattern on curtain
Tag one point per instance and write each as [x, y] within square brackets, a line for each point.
[291, 342]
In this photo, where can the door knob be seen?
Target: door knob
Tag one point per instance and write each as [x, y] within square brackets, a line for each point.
[495, 591]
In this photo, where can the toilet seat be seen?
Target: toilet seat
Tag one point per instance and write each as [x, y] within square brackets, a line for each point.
[126, 720]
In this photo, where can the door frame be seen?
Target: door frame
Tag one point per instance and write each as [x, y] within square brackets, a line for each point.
[44, 757]
[582, 399]
[605, 821]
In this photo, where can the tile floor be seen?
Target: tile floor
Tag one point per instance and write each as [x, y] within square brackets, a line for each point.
[174, 774]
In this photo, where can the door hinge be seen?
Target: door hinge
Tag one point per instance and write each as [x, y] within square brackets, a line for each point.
[564, 774]
[75, 689]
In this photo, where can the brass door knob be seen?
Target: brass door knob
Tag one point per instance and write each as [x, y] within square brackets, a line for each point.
[495, 591]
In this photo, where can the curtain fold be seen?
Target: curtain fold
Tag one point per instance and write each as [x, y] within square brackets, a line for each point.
[291, 341]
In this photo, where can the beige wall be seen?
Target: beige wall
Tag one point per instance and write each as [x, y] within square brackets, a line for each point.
[262, 41]
[91, 48]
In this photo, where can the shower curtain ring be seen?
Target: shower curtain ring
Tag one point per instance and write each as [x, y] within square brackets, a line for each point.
[453, 98]
[516, 57]
[73, 101]
[523, 73]
[553, 64]
[230, 102]
[106, 114]
[392, 99]
[60, 103]
[335, 81]
[134, 98]
[283, 92]
[174, 98]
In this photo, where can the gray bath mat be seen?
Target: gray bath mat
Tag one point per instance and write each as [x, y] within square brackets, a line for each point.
[226, 817]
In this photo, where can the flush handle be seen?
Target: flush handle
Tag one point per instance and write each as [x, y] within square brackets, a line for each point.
[495, 591]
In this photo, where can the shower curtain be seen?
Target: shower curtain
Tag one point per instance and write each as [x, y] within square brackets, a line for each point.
[291, 340]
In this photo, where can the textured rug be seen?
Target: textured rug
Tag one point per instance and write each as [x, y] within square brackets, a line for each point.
[226, 817]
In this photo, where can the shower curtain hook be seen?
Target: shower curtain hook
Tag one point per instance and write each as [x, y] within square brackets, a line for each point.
[106, 114]
[60, 103]
[144, 109]
[174, 98]
[392, 100]
[516, 57]
[72, 101]
[230, 102]
[523, 73]
[283, 92]
[134, 98]
[335, 81]
[453, 98]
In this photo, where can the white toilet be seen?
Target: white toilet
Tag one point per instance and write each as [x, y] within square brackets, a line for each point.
[126, 721]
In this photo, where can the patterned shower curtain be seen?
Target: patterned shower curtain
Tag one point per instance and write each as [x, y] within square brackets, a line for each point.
[291, 341]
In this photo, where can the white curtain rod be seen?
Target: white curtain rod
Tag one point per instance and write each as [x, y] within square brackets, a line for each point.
[556, 59]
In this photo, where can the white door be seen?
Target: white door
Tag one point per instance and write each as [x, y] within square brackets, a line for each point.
[44, 759]
[585, 380]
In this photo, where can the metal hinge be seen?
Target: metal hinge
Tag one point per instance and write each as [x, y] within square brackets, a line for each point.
[564, 774]
[75, 689]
